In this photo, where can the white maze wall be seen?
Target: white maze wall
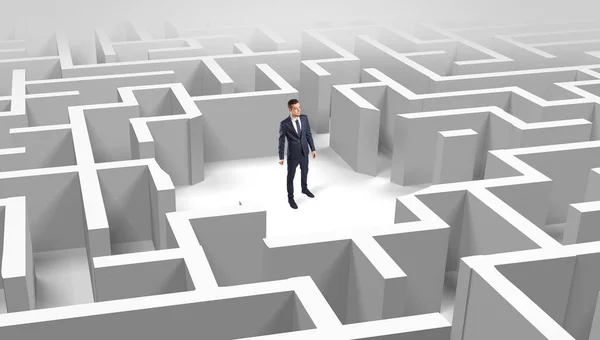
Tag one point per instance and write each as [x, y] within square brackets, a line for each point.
[500, 125]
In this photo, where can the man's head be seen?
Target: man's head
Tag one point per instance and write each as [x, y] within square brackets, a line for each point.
[294, 107]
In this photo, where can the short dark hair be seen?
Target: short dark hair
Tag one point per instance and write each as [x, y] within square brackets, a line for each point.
[292, 102]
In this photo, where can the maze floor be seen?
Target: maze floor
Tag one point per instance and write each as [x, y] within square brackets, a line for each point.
[346, 199]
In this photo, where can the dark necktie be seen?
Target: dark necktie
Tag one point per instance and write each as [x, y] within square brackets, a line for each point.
[298, 126]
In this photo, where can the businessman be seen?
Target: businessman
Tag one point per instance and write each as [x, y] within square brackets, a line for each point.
[297, 131]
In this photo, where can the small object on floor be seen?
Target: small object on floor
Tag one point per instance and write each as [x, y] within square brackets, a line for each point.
[308, 193]
[292, 203]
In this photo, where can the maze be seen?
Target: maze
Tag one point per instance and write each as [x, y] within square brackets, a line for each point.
[457, 183]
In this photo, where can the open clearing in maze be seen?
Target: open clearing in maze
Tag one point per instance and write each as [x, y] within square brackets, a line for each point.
[457, 181]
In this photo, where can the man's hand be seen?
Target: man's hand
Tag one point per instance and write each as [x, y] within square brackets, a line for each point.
[314, 154]
[281, 161]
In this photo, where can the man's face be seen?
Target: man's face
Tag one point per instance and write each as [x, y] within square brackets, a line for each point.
[295, 110]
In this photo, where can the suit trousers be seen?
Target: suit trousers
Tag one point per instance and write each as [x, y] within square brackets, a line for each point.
[292, 165]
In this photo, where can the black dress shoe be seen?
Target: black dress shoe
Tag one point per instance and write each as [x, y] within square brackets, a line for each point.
[308, 193]
[292, 203]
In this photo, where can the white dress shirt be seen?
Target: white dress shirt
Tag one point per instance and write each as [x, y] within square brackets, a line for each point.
[294, 123]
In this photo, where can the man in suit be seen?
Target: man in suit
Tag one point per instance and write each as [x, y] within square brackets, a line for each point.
[296, 129]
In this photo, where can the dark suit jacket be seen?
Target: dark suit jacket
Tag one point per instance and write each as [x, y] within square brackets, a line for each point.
[295, 143]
